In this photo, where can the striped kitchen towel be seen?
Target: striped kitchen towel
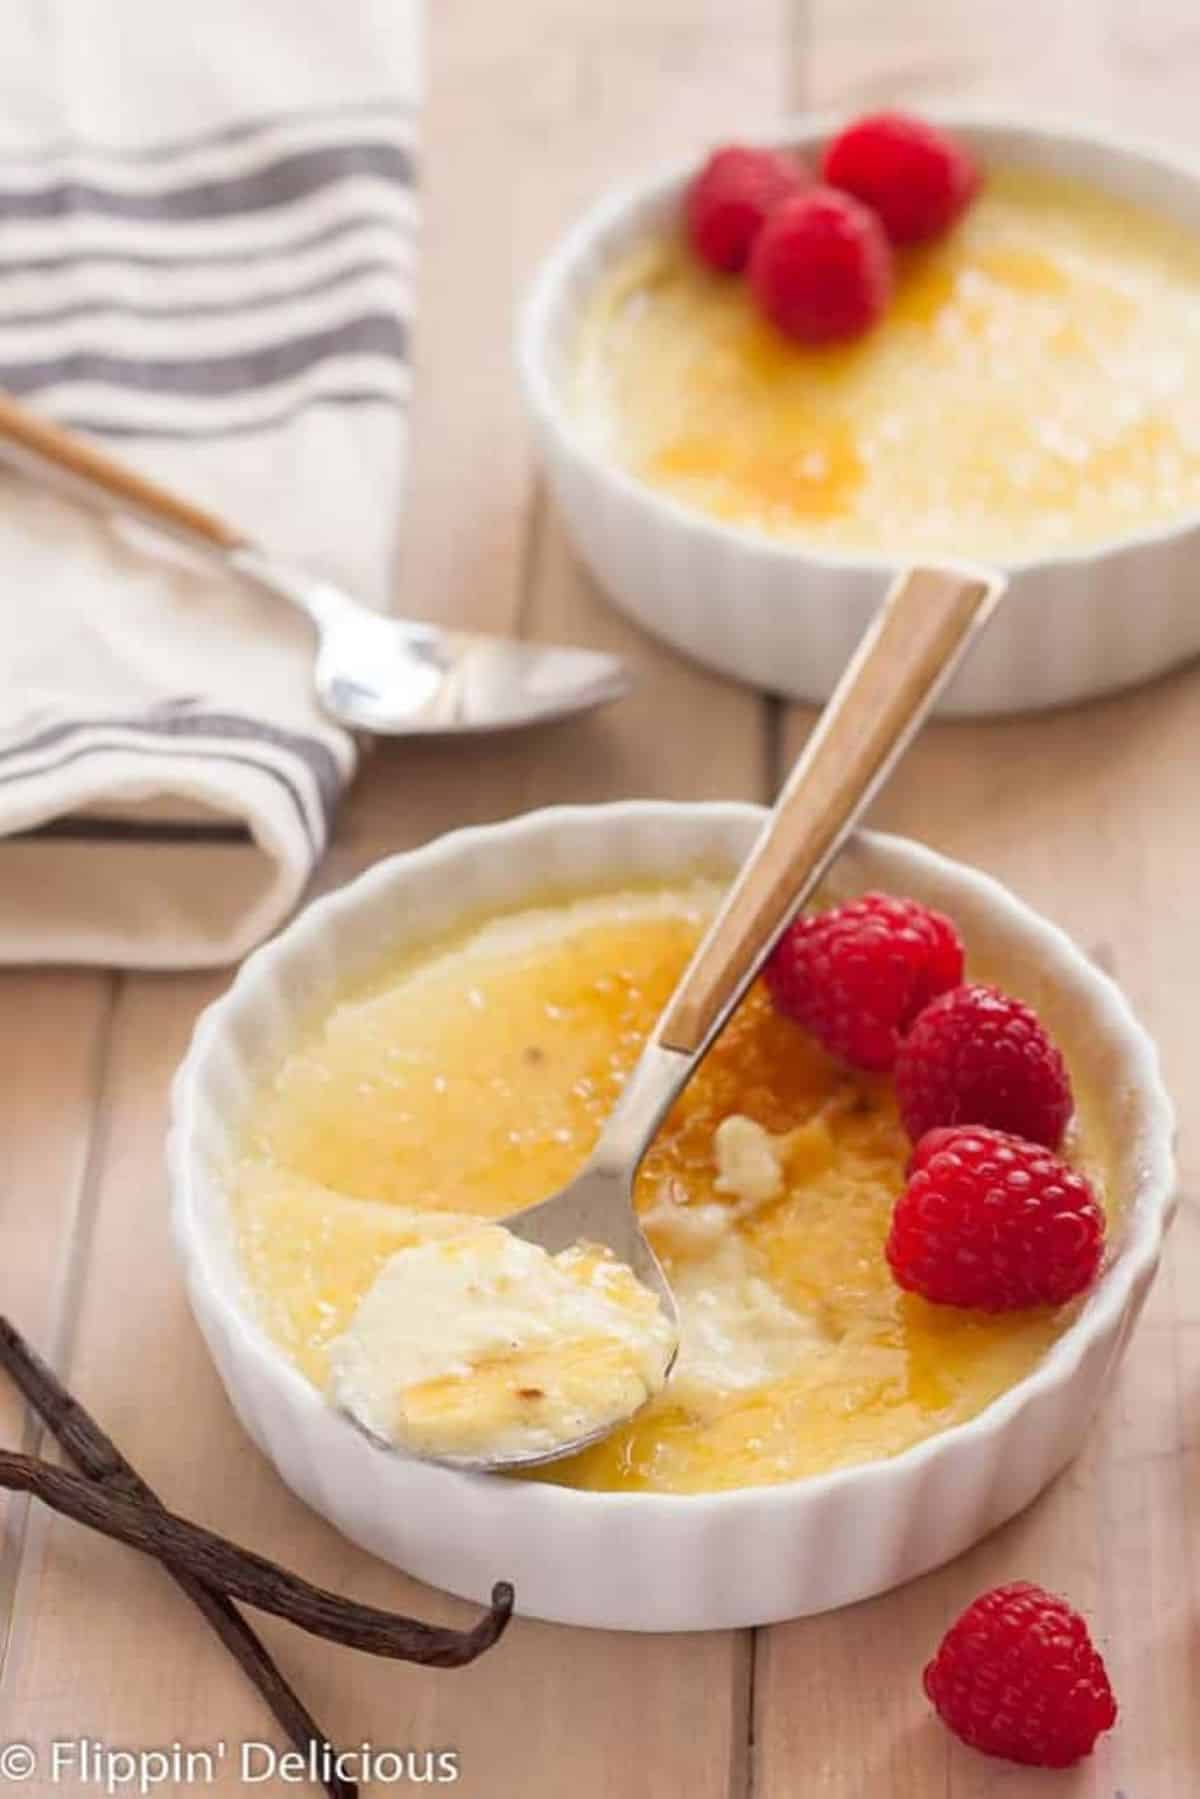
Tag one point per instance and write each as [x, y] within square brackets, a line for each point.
[207, 233]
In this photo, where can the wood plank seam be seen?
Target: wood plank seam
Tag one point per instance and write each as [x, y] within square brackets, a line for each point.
[741, 1764]
[23, 1530]
[775, 745]
[532, 536]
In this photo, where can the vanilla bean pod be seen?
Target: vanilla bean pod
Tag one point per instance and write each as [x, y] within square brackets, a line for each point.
[212, 1571]
[253, 1578]
[92, 1450]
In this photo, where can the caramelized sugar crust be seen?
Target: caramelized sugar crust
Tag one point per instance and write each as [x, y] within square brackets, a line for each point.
[475, 1079]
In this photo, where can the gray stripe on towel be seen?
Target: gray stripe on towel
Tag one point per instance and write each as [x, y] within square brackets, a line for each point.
[279, 183]
[188, 310]
[180, 723]
[212, 431]
[159, 751]
[373, 334]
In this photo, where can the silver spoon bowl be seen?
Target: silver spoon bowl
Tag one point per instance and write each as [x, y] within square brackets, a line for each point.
[391, 676]
[398, 677]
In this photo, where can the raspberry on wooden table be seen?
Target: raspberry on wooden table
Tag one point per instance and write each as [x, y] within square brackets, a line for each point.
[821, 268]
[729, 201]
[993, 1222]
[978, 1056]
[914, 176]
[857, 975]
[1018, 1676]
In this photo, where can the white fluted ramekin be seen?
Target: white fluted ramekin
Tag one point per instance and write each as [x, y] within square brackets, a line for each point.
[646, 1561]
[785, 617]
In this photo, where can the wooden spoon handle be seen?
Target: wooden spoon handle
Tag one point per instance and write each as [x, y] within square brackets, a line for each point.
[922, 629]
[89, 473]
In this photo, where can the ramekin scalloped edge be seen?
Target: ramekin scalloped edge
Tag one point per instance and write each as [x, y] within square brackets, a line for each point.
[645, 1561]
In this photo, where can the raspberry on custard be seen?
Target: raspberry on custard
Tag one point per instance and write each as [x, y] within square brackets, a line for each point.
[729, 201]
[821, 268]
[918, 179]
[993, 1222]
[978, 1056]
[1018, 1676]
[857, 975]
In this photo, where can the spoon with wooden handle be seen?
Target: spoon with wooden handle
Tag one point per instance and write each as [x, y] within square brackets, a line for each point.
[393, 676]
[919, 636]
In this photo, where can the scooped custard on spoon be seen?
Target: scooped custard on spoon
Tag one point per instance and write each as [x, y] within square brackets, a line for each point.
[478, 1345]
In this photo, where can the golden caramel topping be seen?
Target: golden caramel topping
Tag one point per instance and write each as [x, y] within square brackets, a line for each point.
[1034, 386]
[474, 1080]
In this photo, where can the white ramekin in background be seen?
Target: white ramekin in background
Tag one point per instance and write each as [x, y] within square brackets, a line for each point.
[644, 1561]
[786, 617]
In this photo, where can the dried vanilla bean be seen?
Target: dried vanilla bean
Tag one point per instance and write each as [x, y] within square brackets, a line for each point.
[91, 1449]
[252, 1578]
[113, 1499]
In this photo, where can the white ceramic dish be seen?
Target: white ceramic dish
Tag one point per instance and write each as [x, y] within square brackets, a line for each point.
[630, 1560]
[786, 618]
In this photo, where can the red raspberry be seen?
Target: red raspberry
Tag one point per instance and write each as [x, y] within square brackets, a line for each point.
[990, 1221]
[857, 976]
[916, 178]
[821, 268]
[728, 202]
[977, 1056]
[1018, 1676]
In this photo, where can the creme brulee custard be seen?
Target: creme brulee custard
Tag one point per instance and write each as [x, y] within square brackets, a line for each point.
[471, 1080]
[1033, 388]
[472, 1346]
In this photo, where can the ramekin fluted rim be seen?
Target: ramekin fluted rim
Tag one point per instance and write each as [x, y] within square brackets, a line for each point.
[1149, 1211]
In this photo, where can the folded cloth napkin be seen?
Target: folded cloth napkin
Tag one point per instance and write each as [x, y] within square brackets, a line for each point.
[206, 252]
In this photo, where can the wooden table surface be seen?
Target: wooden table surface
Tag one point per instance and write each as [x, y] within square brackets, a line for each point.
[1090, 814]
